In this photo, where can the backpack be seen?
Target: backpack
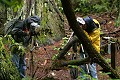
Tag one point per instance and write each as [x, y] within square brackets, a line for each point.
[10, 25]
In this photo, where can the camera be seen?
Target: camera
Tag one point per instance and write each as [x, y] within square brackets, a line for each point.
[34, 28]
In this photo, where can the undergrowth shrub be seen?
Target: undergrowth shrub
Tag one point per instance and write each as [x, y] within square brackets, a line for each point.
[8, 71]
[91, 6]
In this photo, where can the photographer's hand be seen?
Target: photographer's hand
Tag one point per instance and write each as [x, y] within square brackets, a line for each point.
[28, 32]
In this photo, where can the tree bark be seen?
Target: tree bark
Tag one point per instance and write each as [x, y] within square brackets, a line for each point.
[28, 7]
[3, 17]
[76, 62]
[56, 9]
[93, 54]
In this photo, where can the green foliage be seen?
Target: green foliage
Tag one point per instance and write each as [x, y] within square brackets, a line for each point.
[83, 6]
[102, 7]
[99, 8]
[86, 76]
[108, 60]
[65, 40]
[103, 73]
[54, 57]
[17, 48]
[10, 3]
[8, 71]
[90, 6]
[27, 78]
[14, 4]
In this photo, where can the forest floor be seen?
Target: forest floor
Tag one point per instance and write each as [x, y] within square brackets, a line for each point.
[43, 55]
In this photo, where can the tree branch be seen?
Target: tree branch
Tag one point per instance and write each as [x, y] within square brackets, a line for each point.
[66, 48]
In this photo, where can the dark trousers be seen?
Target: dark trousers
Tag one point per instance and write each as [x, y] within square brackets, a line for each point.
[20, 63]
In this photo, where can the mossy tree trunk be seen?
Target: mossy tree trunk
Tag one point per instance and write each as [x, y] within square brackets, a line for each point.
[51, 21]
[3, 17]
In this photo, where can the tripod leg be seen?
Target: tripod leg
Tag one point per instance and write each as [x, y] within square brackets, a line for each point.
[74, 70]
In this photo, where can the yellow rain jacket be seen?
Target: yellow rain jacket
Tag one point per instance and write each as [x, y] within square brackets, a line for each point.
[94, 36]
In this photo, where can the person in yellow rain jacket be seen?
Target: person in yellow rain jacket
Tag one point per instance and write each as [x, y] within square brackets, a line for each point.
[94, 36]
[91, 28]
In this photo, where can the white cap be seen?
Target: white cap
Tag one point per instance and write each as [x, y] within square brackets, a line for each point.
[80, 20]
[35, 24]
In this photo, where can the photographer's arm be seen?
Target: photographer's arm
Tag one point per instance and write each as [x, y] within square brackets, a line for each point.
[18, 31]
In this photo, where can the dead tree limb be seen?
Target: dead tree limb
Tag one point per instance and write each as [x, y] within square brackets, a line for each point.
[66, 48]
[59, 64]
[76, 62]
[93, 54]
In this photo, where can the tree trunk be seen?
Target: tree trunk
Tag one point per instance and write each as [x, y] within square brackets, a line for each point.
[28, 7]
[3, 18]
